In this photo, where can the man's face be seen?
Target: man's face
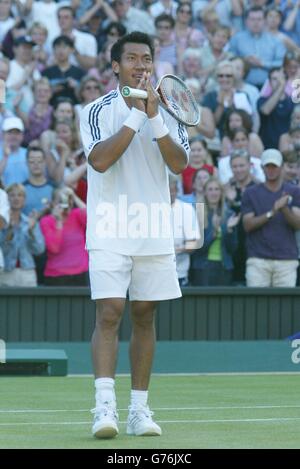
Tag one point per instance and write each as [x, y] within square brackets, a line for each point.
[164, 30]
[135, 60]
[275, 79]
[290, 171]
[13, 138]
[121, 8]
[255, 22]
[65, 20]
[23, 53]
[219, 40]
[240, 168]
[225, 78]
[272, 172]
[62, 52]
[36, 163]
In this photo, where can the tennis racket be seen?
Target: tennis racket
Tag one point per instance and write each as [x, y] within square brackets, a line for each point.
[175, 97]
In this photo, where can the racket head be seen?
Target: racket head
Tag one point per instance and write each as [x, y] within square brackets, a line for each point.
[178, 100]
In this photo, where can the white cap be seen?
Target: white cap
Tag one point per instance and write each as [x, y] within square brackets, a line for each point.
[11, 123]
[271, 156]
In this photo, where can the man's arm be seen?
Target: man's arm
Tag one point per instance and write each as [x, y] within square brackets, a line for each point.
[252, 222]
[270, 104]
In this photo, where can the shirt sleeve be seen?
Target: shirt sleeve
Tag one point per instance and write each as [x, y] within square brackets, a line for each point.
[247, 206]
[93, 126]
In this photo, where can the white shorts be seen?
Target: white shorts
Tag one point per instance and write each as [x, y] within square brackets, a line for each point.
[148, 278]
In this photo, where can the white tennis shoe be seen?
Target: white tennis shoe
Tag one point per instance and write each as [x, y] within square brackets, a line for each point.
[105, 421]
[140, 422]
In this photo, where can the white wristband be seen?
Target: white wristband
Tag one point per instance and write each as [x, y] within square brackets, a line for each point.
[135, 119]
[158, 126]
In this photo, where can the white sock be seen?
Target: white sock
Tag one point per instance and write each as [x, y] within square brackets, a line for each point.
[138, 397]
[105, 391]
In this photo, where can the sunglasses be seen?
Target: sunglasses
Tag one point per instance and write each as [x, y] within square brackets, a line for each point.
[188, 12]
[92, 87]
[224, 75]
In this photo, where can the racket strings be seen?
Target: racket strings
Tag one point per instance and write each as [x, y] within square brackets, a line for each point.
[179, 100]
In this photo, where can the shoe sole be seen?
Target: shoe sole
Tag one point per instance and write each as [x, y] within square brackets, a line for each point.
[106, 432]
[147, 433]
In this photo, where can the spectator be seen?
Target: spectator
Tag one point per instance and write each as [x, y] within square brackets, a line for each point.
[13, 167]
[5, 109]
[220, 102]
[18, 30]
[41, 54]
[113, 31]
[240, 141]
[100, 8]
[292, 20]
[165, 32]
[260, 49]
[40, 115]
[38, 189]
[89, 90]
[199, 179]
[286, 141]
[199, 158]
[19, 242]
[84, 44]
[234, 189]
[236, 119]
[7, 21]
[275, 111]
[132, 18]
[271, 216]
[273, 22]
[184, 34]
[160, 68]
[63, 77]
[291, 167]
[212, 265]
[291, 68]
[103, 71]
[64, 232]
[4, 218]
[186, 233]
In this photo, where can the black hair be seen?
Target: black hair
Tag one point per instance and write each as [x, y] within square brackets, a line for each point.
[255, 10]
[34, 148]
[165, 17]
[115, 25]
[274, 69]
[66, 7]
[136, 37]
[246, 121]
[63, 40]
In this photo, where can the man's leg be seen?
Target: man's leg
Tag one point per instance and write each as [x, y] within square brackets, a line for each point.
[142, 346]
[104, 349]
[259, 272]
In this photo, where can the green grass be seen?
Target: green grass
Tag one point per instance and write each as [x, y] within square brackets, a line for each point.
[225, 412]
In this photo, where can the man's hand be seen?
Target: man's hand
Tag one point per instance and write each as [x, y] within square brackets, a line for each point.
[153, 99]
[252, 60]
[280, 203]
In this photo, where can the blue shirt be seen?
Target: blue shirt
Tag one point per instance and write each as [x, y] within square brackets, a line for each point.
[37, 197]
[16, 170]
[265, 47]
[275, 239]
[276, 123]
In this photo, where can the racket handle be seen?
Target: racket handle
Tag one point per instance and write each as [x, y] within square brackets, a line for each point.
[128, 92]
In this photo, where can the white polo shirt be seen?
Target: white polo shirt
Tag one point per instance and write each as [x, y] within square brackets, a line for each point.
[128, 206]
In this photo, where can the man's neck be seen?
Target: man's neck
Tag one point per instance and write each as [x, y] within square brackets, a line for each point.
[244, 183]
[274, 186]
[15, 215]
[37, 180]
[63, 66]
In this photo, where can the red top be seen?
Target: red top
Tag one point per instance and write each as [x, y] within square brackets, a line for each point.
[66, 253]
[187, 176]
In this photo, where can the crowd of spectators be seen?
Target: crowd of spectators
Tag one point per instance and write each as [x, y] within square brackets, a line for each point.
[240, 58]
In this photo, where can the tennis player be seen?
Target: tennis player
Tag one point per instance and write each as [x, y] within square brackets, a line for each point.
[130, 145]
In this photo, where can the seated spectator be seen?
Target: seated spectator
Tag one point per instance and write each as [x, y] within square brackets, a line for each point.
[23, 70]
[291, 22]
[39, 35]
[291, 69]
[209, 23]
[240, 69]
[64, 232]
[273, 22]
[5, 108]
[45, 13]
[186, 232]
[271, 216]
[19, 241]
[286, 141]
[132, 18]
[40, 115]
[18, 30]
[240, 141]
[234, 189]
[84, 44]
[64, 77]
[260, 49]
[227, 97]
[103, 71]
[13, 167]
[275, 111]
[160, 68]
[212, 265]
[184, 34]
[100, 9]
[38, 189]
[7, 21]
[291, 167]
[165, 32]
[200, 178]
[89, 90]
[199, 158]
[112, 32]
[236, 119]
[4, 218]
